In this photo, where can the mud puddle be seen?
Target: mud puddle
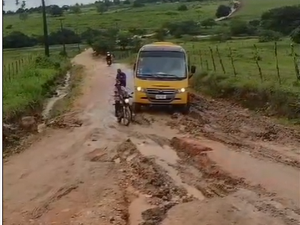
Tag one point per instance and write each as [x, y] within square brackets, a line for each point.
[265, 173]
[166, 158]
[61, 92]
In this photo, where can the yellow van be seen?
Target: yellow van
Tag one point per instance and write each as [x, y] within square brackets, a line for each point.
[161, 76]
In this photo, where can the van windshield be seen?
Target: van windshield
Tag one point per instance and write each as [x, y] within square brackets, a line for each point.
[162, 64]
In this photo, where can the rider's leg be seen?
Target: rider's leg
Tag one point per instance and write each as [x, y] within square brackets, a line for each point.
[117, 106]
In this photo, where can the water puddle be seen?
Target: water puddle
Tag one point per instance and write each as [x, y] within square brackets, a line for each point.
[61, 91]
[136, 208]
[167, 158]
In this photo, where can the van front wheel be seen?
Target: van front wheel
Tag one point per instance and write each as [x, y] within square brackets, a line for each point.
[136, 107]
[185, 109]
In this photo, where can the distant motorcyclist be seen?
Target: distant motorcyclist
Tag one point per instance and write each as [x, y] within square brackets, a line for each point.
[121, 76]
[108, 57]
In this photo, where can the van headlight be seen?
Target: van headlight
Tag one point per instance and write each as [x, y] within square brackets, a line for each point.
[139, 89]
[181, 90]
[126, 100]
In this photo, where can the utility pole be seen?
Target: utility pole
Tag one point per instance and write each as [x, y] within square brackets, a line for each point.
[45, 26]
[62, 33]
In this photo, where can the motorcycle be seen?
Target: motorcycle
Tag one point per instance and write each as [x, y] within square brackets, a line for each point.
[108, 62]
[124, 113]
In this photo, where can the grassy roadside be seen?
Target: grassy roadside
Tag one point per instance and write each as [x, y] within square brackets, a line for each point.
[26, 91]
[236, 74]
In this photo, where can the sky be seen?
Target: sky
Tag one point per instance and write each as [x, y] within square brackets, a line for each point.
[10, 4]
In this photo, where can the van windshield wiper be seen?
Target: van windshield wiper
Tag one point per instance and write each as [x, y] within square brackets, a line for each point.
[147, 75]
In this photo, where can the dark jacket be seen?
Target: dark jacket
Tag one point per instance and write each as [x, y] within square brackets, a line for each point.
[122, 78]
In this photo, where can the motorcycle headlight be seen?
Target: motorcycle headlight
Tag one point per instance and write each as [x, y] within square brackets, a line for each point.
[182, 90]
[126, 100]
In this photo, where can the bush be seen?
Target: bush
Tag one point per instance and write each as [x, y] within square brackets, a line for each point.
[182, 8]
[254, 23]
[284, 19]
[238, 27]
[222, 34]
[17, 39]
[295, 35]
[223, 10]
[137, 4]
[178, 29]
[208, 22]
[103, 44]
[8, 27]
[268, 35]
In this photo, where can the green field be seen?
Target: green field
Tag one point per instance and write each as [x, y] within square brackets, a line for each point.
[11, 55]
[151, 17]
[243, 54]
[252, 9]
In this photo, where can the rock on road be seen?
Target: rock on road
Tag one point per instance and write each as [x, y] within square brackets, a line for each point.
[219, 165]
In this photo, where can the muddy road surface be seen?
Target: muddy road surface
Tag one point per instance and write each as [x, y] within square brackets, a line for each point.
[221, 164]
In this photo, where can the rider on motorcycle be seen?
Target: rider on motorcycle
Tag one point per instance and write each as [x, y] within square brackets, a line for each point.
[108, 57]
[120, 90]
[122, 77]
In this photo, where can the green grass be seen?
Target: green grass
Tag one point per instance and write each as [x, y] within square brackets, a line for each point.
[252, 9]
[27, 89]
[243, 52]
[11, 55]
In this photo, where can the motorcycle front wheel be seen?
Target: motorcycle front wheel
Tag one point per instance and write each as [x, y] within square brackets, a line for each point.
[127, 116]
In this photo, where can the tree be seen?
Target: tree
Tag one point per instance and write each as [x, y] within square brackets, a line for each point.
[295, 35]
[182, 8]
[116, 2]
[102, 44]
[137, 31]
[177, 29]
[222, 34]
[76, 9]
[107, 3]
[138, 4]
[23, 16]
[136, 43]
[160, 34]
[284, 19]
[124, 39]
[17, 3]
[268, 35]
[23, 5]
[101, 8]
[56, 11]
[126, 2]
[238, 27]
[208, 23]
[222, 11]
[17, 39]
[64, 36]
[254, 23]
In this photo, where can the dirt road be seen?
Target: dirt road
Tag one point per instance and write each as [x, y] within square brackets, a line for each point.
[219, 165]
